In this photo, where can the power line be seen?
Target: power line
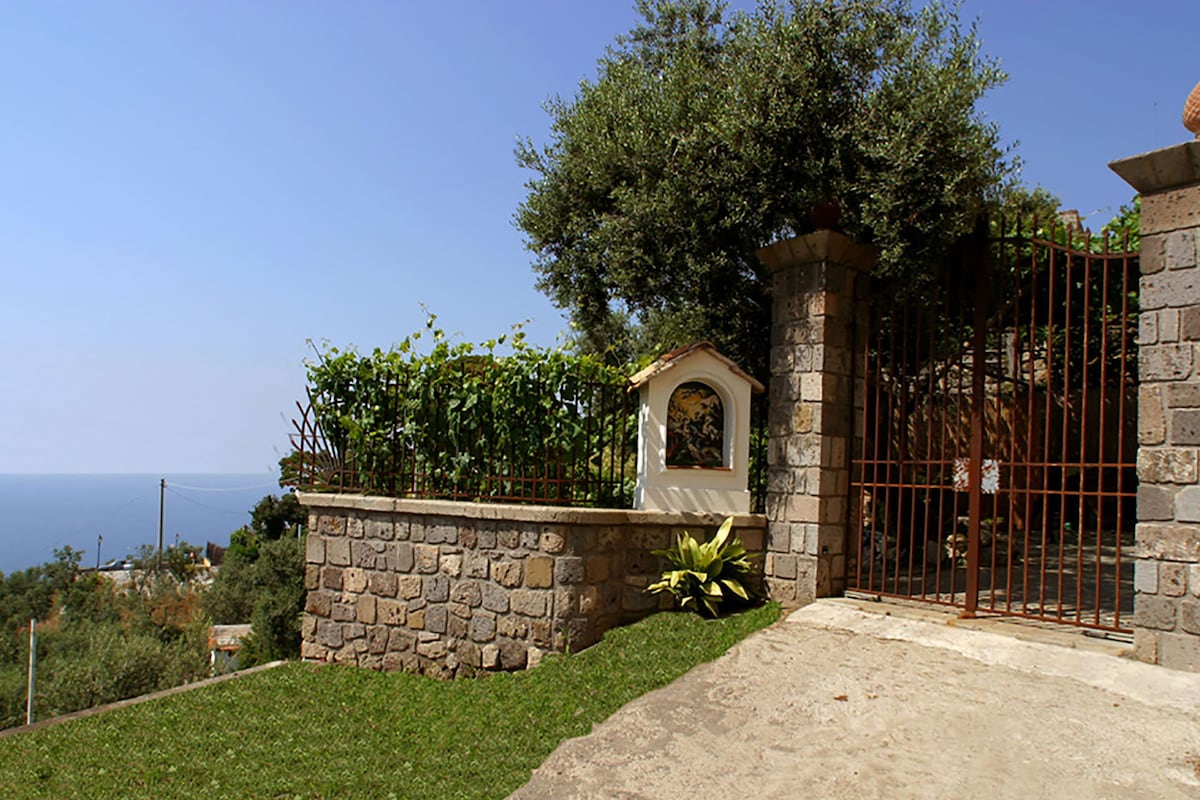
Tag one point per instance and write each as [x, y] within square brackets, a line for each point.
[173, 485]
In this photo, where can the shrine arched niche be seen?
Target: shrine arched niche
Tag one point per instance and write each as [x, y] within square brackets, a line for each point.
[696, 427]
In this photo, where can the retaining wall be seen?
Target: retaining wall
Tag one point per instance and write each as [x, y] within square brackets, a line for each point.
[441, 587]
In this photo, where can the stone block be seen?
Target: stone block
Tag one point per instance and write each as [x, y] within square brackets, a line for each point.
[541, 632]
[408, 586]
[452, 564]
[508, 539]
[483, 626]
[433, 650]
[364, 609]
[1189, 616]
[779, 537]
[475, 565]
[354, 527]
[1145, 645]
[312, 577]
[314, 549]
[342, 612]
[1147, 328]
[1166, 362]
[426, 557]
[390, 612]
[513, 654]
[781, 565]
[400, 640]
[329, 633]
[1185, 427]
[1155, 503]
[1179, 651]
[379, 528]
[533, 657]
[1171, 210]
[1152, 422]
[1189, 323]
[337, 552]
[435, 619]
[1166, 465]
[551, 541]
[436, 588]
[441, 534]
[382, 584]
[363, 554]
[1181, 395]
[527, 602]
[331, 578]
[467, 593]
[589, 601]
[1194, 579]
[354, 580]
[489, 656]
[416, 620]
[456, 626]
[1145, 576]
[460, 610]
[512, 627]
[486, 537]
[308, 627]
[1168, 542]
[633, 598]
[416, 531]
[329, 525]
[311, 651]
[1154, 611]
[569, 570]
[377, 640]
[597, 569]
[1179, 249]
[1168, 325]
[507, 573]
[1172, 579]
[400, 557]
[318, 603]
[495, 598]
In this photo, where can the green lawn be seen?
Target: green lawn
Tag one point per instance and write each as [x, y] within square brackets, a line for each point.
[301, 731]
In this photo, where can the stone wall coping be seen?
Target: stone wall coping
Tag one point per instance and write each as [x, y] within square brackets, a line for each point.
[550, 515]
[818, 247]
[1162, 169]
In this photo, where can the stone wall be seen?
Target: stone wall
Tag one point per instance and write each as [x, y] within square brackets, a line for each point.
[811, 420]
[439, 587]
[1167, 571]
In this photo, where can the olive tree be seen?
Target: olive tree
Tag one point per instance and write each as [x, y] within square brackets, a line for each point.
[708, 134]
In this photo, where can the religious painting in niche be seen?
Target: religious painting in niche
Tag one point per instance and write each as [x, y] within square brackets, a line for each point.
[695, 427]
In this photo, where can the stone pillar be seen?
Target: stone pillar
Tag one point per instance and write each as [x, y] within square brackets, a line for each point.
[810, 421]
[1167, 570]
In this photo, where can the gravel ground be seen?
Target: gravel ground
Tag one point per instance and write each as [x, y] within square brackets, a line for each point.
[844, 699]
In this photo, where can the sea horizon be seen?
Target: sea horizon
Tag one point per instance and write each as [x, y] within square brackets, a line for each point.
[46, 511]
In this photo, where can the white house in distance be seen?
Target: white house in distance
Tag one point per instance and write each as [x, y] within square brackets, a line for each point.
[694, 432]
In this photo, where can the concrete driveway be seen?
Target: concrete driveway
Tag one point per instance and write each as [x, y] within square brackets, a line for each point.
[851, 699]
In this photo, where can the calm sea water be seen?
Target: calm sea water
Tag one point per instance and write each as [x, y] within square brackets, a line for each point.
[39, 513]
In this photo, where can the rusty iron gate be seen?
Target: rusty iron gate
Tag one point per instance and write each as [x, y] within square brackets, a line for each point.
[993, 459]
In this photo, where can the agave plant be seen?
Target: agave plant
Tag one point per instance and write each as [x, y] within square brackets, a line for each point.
[703, 576]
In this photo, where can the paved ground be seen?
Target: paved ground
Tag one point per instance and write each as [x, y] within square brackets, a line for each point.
[847, 699]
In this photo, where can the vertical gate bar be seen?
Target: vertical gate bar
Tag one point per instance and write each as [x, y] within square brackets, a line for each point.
[1066, 426]
[930, 325]
[1010, 269]
[1030, 427]
[1100, 445]
[1125, 266]
[975, 467]
[1085, 396]
[959, 419]
[1046, 425]
[863, 365]
[942, 493]
[889, 421]
[876, 437]
[902, 446]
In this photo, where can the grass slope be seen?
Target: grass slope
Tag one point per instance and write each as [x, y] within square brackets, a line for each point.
[301, 731]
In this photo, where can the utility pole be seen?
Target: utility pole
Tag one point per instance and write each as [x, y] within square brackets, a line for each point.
[99, 539]
[32, 671]
[162, 495]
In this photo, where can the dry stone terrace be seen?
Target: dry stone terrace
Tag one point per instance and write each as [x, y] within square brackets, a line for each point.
[442, 588]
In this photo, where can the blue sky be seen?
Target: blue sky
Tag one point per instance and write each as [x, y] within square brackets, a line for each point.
[193, 190]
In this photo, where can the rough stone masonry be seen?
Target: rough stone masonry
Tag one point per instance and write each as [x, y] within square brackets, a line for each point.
[1167, 572]
[440, 587]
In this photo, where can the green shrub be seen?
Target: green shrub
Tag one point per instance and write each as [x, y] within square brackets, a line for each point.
[704, 576]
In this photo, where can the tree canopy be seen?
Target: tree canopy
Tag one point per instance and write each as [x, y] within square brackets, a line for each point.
[706, 135]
